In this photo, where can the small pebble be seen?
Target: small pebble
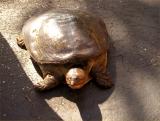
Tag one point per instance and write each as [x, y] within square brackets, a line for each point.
[2, 65]
[3, 82]
[38, 117]
[153, 61]
[145, 49]
[62, 102]
[56, 109]
[141, 59]
[8, 68]
[4, 115]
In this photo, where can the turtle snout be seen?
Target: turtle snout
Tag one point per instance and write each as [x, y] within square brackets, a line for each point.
[73, 80]
[76, 78]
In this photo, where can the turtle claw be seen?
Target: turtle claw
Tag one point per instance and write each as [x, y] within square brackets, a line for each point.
[38, 86]
[46, 84]
[20, 42]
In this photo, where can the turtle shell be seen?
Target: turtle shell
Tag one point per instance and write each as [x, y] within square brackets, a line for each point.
[59, 36]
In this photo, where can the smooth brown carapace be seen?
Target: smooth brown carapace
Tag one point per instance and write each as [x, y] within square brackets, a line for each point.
[69, 46]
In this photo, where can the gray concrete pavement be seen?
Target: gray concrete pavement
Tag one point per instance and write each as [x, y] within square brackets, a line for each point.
[134, 29]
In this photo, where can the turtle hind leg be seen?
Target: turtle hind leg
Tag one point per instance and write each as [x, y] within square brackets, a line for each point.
[46, 84]
[20, 42]
[100, 72]
[103, 80]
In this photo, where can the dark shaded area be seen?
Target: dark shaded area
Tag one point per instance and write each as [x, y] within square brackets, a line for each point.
[142, 23]
[18, 100]
[87, 99]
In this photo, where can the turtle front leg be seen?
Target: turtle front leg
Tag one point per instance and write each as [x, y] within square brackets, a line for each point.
[20, 42]
[46, 84]
[103, 79]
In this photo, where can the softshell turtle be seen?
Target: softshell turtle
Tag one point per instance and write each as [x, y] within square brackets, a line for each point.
[68, 46]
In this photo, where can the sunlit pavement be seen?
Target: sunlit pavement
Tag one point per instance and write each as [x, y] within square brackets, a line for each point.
[133, 27]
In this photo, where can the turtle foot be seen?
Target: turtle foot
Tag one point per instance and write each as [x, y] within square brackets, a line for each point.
[46, 84]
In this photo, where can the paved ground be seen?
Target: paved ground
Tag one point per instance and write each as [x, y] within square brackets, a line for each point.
[134, 29]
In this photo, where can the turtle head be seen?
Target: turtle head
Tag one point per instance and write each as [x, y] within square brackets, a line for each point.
[77, 77]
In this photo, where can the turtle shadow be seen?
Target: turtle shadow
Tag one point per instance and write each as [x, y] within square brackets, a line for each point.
[87, 99]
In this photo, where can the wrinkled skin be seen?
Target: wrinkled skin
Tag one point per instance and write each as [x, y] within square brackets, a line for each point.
[69, 47]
